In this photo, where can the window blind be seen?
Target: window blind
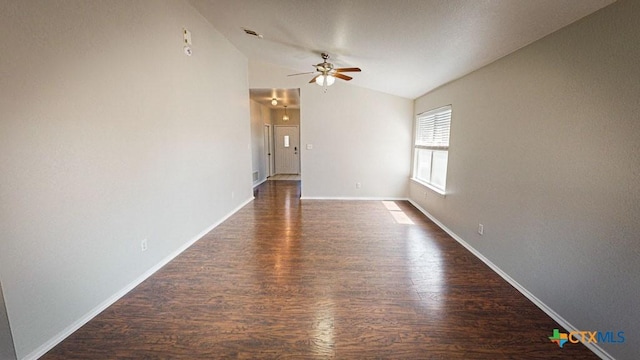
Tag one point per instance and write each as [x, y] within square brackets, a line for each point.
[433, 128]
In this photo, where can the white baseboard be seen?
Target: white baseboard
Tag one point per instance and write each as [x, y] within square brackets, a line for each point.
[58, 338]
[549, 311]
[352, 198]
[259, 183]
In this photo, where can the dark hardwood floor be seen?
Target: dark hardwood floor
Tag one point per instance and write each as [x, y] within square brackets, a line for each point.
[285, 278]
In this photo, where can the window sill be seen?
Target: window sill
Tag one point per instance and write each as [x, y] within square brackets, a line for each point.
[440, 192]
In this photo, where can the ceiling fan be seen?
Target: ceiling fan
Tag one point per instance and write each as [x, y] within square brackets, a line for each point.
[327, 73]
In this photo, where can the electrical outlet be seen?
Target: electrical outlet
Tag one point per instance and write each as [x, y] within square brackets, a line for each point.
[358, 185]
[480, 229]
[143, 245]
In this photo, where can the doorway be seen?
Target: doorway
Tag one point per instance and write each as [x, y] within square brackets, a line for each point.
[272, 110]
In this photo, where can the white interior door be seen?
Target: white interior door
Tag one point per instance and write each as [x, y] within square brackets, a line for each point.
[268, 150]
[287, 141]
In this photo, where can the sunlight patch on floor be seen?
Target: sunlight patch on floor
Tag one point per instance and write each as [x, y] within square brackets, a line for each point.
[398, 215]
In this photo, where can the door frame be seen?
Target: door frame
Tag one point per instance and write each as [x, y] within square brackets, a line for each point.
[269, 155]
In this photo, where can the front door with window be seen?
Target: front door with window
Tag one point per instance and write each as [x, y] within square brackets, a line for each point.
[287, 141]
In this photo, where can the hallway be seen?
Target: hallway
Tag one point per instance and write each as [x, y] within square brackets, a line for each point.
[285, 278]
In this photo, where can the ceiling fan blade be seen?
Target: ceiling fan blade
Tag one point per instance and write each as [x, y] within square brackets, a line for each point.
[342, 76]
[352, 69]
[304, 73]
[314, 79]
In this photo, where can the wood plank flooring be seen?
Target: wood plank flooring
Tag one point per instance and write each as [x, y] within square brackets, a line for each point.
[291, 279]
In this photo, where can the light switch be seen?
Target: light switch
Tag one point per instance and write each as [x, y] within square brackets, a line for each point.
[309, 146]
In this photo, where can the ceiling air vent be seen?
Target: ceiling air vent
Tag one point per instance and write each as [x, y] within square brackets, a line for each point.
[252, 33]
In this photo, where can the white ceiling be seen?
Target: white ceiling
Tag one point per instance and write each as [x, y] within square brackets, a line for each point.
[404, 47]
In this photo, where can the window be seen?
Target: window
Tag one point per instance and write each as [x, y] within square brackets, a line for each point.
[431, 148]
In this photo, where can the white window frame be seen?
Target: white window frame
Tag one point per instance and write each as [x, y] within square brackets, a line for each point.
[432, 133]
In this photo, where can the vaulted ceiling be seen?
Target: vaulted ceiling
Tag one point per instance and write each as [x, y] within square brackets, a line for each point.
[404, 47]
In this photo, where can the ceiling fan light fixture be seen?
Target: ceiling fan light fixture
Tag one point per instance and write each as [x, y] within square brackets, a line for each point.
[330, 80]
[327, 80]
[274, 102]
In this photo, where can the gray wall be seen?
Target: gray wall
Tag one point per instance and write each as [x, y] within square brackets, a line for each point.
[545, 152]
[7, 352]
[109, 134]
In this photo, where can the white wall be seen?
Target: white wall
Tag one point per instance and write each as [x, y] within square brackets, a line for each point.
[545, 152]
[358, 135]
[109, 134]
